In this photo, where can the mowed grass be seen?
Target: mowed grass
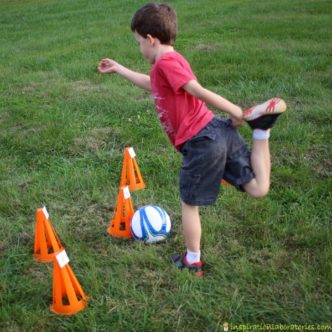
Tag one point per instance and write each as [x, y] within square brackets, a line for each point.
[63, 130]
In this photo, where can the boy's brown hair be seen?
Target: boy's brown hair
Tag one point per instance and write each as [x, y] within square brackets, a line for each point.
[157, 20]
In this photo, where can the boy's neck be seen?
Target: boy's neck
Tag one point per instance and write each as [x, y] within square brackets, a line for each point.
[162, 50]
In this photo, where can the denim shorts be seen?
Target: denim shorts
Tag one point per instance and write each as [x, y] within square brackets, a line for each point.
[217, 152]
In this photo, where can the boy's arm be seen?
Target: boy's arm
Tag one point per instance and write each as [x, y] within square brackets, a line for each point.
[214, 100]
[108, 66]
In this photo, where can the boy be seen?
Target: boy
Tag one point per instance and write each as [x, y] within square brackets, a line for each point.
[211, 148]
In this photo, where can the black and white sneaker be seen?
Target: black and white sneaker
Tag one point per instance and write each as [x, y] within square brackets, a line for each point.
[263, 116]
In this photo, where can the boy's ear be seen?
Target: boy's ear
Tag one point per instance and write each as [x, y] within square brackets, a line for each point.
[151, 39]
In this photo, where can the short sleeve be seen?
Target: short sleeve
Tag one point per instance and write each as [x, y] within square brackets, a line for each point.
[176, 73]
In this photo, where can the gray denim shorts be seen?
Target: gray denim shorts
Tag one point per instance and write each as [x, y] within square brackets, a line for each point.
[217, 152]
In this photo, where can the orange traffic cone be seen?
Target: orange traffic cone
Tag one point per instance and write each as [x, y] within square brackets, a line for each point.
[68, 295]
[47, 241]
[131, 175]
[124, 211]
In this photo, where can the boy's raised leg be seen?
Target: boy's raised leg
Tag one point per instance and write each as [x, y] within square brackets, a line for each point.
[261, 119]
[261, 165]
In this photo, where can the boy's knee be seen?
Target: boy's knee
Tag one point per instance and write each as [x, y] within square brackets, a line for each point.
[259, 192]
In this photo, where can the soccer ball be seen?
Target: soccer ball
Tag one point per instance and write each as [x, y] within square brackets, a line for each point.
[150, 224]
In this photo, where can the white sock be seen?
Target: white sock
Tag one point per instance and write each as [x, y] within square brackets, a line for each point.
[193, 256]
[261, 134]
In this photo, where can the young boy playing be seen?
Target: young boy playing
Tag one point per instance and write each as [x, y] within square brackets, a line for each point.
[212, 149]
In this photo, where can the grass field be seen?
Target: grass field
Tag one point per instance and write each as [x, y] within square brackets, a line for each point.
[63, 129]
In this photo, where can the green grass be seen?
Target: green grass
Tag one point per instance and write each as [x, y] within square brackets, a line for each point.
[63, 129]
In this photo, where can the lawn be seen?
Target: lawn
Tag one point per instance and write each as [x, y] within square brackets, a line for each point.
[63, 130]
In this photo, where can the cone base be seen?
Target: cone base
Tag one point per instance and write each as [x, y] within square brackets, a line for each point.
[68, 311]
[114, 233]
[44, 259]
[136, 187]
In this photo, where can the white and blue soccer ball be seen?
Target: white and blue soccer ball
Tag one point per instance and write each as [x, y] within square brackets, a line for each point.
[150, 224]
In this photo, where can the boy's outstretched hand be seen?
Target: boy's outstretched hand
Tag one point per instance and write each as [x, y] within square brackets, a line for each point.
[237, 121]
[107, 66]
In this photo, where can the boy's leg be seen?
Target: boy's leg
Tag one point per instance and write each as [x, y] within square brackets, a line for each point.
[192, 233]
[191, 227]
[204, 159]
[261, 119]
[261, 165]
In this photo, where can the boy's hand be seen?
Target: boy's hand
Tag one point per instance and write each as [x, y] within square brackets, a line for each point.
[236, 123]
[108, 66]
[237, 118]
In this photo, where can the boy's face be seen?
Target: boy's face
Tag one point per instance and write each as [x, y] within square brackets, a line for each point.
[146, 46]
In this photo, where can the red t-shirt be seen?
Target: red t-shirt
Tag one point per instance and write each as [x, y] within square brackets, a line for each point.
[181, 114]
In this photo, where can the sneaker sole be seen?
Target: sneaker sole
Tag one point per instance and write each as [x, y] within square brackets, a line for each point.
[273, 106]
